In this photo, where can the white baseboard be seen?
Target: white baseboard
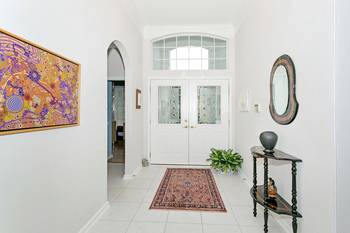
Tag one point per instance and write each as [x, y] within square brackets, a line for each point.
[92, 221]
[284, 224]
[128, 177]
[133, 174]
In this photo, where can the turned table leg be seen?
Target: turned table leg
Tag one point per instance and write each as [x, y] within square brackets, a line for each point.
[254, 186]
[294, 197]
[266, 174]
[266, 216]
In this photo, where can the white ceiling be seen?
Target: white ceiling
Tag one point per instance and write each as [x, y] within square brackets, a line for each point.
[189, 12]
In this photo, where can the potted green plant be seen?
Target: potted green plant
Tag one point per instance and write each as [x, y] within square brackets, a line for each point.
[225, 161]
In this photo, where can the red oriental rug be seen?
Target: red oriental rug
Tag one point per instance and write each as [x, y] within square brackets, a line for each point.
[188, 189]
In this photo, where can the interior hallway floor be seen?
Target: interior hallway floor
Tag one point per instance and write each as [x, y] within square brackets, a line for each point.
[118, 153]
[130, 200]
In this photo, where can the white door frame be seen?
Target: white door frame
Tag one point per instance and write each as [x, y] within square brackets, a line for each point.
[230, 99]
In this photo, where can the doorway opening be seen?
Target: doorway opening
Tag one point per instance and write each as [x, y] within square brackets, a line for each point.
[116, 110]
[117, 154]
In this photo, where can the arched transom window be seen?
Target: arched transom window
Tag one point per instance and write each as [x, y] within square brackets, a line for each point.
[193, 52]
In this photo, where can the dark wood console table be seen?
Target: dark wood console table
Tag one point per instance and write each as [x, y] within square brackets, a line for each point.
[259, 193]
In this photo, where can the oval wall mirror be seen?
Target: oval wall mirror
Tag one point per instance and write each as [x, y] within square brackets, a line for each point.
[283, 103]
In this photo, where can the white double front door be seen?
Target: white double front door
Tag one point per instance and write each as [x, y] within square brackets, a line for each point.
[188, 118]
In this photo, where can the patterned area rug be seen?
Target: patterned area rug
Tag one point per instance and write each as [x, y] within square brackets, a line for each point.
[188, 189]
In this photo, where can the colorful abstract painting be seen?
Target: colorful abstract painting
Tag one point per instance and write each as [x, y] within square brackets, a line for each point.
[38, 89]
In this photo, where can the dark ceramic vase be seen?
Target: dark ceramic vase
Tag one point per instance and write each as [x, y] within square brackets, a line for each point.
[268, 139]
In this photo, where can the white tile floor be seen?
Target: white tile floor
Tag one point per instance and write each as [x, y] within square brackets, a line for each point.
[130, 201]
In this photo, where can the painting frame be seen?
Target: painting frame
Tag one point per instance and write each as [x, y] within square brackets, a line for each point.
[78, 88]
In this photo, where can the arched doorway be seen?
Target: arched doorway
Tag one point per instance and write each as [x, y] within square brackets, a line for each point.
[116, 99]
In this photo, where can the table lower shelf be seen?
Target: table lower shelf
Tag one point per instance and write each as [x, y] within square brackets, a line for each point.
[278, 205]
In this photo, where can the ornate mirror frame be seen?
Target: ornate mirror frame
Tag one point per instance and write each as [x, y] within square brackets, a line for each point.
[292, 109]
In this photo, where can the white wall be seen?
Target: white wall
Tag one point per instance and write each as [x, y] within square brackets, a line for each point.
[342, 110]
[151, 33]
[304, 30]
[54, 181]
[115, 66]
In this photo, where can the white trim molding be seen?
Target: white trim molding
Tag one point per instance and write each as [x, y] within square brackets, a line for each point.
[133, 174]
[94, 219]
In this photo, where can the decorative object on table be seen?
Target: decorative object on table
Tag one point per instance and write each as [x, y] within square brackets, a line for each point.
[269, 140]
[283, 102]
[272, 189]
[260, 193]
[188, 189]
[226, 161]
[138, 99]
[39, 89]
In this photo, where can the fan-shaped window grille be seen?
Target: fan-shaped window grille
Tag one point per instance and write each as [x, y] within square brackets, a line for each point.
[193, 52]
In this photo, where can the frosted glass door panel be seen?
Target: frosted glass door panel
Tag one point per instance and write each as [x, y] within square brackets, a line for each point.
[209, 102]
[169, 105]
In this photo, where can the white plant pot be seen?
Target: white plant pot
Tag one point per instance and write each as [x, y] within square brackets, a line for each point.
[216, 171]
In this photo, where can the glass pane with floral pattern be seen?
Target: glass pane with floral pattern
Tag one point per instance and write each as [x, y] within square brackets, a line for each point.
[209, 104]
[169, 105]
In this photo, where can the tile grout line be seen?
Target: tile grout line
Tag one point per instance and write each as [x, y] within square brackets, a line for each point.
[202, 222]
[139, 204]
[228, 204]
[167, 216]
[142, 203]
[158, 183]
[166, 222]
[132, 219]
[234, 216]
